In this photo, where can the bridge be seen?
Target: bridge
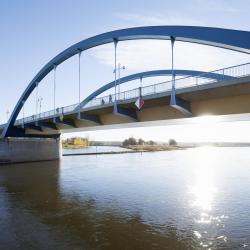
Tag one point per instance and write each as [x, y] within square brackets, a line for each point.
[188, 94]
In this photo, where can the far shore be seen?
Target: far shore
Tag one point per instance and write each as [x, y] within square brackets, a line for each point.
[142, 148]
[149, 148]
[153, 148]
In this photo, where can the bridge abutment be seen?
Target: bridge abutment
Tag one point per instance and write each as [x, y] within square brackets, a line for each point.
[14, 150]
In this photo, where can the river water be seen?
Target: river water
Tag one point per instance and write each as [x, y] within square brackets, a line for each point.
[95, 149]
[185, 199]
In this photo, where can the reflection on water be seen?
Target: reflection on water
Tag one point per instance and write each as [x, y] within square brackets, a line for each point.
[190, 199]
[203, 190]
[203, 184]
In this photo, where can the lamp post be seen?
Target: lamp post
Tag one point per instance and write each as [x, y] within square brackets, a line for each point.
[54, 91]
[79, 83]
[40, 105]
[172, 97]
[119, 68]
[7, 114]
[23, 102]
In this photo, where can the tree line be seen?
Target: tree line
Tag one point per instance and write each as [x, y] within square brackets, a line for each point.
[132, 141]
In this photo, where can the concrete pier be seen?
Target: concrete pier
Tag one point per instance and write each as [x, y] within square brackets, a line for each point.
[14, 150]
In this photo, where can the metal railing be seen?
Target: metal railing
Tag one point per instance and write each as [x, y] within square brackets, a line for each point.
[237, 71]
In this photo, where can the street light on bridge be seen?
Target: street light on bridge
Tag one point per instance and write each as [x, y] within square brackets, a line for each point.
[40, 105]
[7, 114]
[119, 68]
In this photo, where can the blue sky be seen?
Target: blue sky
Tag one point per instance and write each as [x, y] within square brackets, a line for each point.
[32, 32]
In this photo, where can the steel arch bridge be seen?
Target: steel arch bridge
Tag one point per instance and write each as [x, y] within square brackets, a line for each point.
[223, 38]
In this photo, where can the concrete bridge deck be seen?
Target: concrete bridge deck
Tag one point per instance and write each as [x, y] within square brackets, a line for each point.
[213, 98]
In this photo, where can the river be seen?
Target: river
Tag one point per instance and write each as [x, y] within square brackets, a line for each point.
[185, 199]
[94, 149]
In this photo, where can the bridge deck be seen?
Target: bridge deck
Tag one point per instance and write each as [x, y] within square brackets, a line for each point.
[217, 98]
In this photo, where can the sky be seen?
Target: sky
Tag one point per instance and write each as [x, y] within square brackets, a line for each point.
[33, 32]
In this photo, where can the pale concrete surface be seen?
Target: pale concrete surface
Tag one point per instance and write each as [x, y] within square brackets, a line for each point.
[13, 150]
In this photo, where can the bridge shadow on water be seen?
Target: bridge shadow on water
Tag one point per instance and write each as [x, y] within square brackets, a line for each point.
[37, 214]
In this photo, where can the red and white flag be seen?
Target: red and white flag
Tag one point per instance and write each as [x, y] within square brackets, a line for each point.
[139, 103]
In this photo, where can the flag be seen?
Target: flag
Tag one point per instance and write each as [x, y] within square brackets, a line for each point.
[139, 103]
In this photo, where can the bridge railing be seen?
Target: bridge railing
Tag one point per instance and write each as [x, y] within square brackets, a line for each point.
[205, 78]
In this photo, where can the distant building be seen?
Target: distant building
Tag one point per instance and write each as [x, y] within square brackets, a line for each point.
[76, 141]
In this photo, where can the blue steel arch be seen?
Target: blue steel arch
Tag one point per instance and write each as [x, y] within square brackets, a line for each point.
[223, 38]
[153, 73]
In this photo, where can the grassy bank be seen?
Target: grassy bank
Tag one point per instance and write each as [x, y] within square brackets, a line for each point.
[153, 148]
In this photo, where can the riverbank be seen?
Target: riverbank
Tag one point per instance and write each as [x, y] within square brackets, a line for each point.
[101, 150]
[153, 148]
[105, 153]
[118, 150]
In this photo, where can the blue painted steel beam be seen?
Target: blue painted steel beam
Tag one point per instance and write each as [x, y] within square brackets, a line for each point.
[17, 131]
[49, 125]
[32, 126]
[68, 122]
[20, 132]
[154, 73]
[89, 117]
[181, 105]
[54, 136]
[223, 38]
[126, 112]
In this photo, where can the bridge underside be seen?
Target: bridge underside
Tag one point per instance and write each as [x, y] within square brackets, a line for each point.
[223, 98]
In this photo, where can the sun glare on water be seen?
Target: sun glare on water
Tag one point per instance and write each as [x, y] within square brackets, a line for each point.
[203, 188]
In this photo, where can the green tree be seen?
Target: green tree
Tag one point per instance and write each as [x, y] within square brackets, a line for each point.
[172, 142]
[125, 143]
[141, 142]
[151, 142]
[132, 141]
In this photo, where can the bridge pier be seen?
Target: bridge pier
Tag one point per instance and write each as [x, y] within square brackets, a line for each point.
[15, 150]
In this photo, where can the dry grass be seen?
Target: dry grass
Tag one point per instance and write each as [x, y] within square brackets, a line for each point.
[152, 148]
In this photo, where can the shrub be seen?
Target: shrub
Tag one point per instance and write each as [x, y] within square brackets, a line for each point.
[172, 142]
[141, 142]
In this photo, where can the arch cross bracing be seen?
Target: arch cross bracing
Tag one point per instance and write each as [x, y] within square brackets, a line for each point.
[153, 73]
[223, 38]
